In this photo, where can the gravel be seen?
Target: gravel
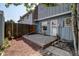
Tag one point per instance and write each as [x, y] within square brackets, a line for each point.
[64, 46]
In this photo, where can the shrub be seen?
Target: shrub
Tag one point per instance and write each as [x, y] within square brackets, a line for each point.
[5, 45]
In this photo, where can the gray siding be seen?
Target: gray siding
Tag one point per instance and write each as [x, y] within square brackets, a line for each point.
[65, 32]
[26, 20]
[50, 11]
[38, 27]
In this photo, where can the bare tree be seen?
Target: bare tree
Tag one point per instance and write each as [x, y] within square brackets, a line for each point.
[75, 27]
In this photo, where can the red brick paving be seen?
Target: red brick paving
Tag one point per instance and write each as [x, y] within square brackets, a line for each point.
[20, 48]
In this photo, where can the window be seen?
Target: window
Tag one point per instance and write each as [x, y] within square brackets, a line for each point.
[68, 21]
[44, 27]
[55, 23]
[27, 16]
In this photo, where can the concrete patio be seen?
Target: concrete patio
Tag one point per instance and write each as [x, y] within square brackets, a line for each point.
[40, 40]
[54, 51]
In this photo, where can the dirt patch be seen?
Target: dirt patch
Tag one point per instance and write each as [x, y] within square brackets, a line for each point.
[19, 48]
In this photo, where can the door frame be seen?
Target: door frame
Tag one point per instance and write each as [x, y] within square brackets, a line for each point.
[53, 26]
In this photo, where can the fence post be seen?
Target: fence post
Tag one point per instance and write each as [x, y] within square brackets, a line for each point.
[12, 29]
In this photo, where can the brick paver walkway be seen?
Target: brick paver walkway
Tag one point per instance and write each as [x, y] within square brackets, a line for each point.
[20, 48]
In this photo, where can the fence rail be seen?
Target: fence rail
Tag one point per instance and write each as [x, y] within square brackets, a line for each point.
[16, 29]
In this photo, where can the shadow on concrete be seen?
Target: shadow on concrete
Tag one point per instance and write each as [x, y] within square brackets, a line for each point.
[33, 45]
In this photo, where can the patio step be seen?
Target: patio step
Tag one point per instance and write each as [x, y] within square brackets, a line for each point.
[53, 51]
[41, 40]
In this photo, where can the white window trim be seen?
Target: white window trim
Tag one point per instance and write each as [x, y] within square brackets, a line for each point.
[65, 24]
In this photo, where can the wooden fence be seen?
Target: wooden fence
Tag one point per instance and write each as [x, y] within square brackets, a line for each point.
[16, 30]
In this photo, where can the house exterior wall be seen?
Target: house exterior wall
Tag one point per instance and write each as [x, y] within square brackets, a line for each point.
[27, 19]
[20, 21]
[38, 27]
[50, 11]
[1, 28]
[64, 32]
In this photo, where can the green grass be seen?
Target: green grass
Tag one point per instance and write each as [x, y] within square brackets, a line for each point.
[4, 46]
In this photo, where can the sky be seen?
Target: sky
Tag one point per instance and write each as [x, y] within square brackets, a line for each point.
[13, 12]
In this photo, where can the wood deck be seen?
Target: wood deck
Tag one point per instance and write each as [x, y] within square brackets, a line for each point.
[41, 40]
